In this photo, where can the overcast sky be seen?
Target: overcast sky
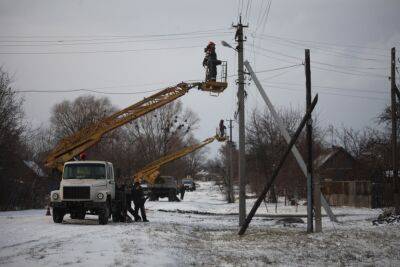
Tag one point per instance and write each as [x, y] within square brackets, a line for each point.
[62, 45]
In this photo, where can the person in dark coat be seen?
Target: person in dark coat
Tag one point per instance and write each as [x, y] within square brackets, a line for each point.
[211, 62]
[182, 190]
[222, 128]
[139, 200]
[126, 198]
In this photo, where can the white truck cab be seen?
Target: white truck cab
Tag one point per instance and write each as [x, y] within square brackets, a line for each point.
[86, 187]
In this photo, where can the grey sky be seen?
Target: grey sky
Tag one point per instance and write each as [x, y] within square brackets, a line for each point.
[341, 31]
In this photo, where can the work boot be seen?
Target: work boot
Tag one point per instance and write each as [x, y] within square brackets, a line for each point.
[137, 218]
[145, 220]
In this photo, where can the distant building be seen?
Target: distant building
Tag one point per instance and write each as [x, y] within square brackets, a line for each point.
[336, 164]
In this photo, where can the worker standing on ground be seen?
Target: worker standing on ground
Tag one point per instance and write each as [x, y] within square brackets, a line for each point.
[211, 62]
[222, 128]
[127, 207]
[182, 190]
[139, 200]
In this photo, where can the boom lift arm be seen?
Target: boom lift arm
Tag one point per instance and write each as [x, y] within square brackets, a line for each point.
[87, 137]
[151, 171]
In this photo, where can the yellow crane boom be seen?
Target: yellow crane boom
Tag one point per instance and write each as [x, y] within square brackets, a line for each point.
[87, 137]
[151, 171]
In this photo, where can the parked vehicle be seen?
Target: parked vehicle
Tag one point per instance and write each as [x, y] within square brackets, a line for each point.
[165, 186]
[189, 184]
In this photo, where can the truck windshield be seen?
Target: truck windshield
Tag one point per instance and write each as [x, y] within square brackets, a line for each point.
[84, 171]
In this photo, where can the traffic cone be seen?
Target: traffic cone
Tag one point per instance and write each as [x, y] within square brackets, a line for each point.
[48, 211]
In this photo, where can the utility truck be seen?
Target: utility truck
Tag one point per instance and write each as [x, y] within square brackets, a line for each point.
[89, 186]
[86, 187]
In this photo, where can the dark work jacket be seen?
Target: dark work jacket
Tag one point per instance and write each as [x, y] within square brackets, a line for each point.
[137, 194]
[212, 59]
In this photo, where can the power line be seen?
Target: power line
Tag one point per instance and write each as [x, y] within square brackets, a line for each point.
[97, 51]
[85, 90]
[74, 43]
[266, 17]
[112, 36]
[343, 55]
[353, 72]
[323, 48]
[280, 68]
[361, 74]
[330, 87]
[335, 94]
[328, 43]
[272, 57]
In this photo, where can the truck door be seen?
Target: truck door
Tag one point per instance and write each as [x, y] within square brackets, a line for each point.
[111, 180]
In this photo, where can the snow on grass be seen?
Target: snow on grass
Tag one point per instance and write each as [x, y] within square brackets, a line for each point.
[28, 238]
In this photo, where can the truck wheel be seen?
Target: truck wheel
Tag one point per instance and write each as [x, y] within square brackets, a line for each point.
[104, 214]
[58, 215]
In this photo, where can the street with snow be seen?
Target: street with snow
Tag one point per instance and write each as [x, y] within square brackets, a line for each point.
[200, 230]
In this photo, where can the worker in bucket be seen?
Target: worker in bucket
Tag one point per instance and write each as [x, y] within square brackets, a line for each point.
[139, 200]
[210, 62]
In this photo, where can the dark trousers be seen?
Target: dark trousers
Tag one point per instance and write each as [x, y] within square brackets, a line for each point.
[140, 205]
[211, 72]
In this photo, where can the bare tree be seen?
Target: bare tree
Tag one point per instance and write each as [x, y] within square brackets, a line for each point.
[162, 131]
[70, 116]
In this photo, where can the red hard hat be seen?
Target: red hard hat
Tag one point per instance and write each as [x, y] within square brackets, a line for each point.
[211, 43]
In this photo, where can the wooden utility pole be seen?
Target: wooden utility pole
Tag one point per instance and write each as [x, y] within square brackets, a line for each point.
[242, 161]
[394, 130]
[313, 182]
[231, 196]
[309, 146]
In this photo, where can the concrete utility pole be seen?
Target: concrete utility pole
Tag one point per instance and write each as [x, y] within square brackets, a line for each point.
[394, 130]
[231, 196]
[242, 161]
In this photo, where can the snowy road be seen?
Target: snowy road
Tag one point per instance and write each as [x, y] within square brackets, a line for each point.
[28, 238]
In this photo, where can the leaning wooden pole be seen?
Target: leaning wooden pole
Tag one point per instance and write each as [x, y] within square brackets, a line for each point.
[275, 173]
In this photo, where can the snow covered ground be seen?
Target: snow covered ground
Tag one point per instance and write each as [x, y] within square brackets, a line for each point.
[176, 236]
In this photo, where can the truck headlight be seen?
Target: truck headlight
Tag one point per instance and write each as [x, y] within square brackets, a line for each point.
[100, 195]
[55, 196]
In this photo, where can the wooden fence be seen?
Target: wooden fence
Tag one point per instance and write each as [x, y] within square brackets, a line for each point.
[359, 193]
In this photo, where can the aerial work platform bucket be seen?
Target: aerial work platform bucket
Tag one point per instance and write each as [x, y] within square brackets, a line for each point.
[218, 86]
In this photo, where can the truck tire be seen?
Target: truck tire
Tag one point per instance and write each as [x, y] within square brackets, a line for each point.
[58, 215]
[104, 214]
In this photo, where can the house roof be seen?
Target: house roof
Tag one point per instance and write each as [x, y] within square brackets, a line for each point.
[325, 156]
